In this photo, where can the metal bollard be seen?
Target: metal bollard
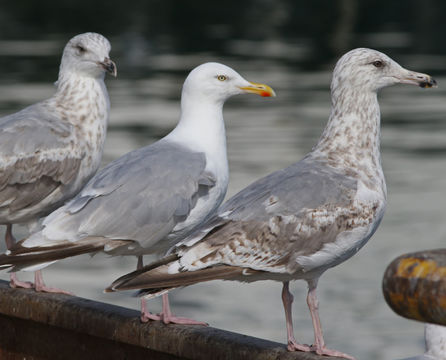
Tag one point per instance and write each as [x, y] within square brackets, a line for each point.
[414, 286]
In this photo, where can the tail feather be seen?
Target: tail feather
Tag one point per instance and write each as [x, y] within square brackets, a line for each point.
[154, 265]
[220, 272]
[156, 279]
[20, 257]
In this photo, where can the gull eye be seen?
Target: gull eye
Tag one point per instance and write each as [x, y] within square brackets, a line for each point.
[222, 77]
[80, 49]
[378, 64]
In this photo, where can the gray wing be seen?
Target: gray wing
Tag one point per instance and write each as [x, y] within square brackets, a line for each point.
[274, 217]
[35, 156]
[140, 196]
[304, 185]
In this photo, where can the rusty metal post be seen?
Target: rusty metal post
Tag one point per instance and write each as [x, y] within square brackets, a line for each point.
[414, 286]
[42, 326]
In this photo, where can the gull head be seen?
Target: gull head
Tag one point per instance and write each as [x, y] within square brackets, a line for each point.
[88, 55]
[370, 70]
[217, 82]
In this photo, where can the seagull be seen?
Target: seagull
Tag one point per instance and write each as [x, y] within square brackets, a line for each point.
[300, 221]
[149, 199]
[49, 150]
[435, 339]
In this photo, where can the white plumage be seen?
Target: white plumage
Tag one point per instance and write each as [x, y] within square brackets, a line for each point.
[151, 198]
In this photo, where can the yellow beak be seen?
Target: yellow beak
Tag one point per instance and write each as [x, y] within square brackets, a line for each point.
[259, 89]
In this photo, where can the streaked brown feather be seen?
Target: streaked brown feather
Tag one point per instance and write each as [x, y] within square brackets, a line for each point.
[158, 278]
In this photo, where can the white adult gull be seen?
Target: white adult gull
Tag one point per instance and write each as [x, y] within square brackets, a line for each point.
[302, 220]
[49, 150]
[149, 199]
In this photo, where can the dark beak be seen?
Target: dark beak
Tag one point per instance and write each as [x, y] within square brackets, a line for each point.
[420, 79]
[109, 66]
[429, 83]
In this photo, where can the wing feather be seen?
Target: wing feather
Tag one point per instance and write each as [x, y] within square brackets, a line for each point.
[36, 156]
[276, 216]
[140, 197]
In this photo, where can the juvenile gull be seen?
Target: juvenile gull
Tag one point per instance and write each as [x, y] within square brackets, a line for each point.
[149, 199]
[300, 221]
[49, 150]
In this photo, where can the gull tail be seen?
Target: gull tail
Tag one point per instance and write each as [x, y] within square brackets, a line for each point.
[158, 277]
[21, 257]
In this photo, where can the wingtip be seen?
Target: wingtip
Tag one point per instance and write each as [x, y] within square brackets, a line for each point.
[109, 290]
[114, 286]
[5, 261]
[117, 284]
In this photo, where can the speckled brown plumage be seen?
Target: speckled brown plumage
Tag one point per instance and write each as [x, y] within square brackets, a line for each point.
[300, 221]
[49, 150]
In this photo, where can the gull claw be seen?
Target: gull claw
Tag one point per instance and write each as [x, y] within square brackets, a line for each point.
[170, 319]
[147, 316]
[52, 290]
[329, 352]
[294, 346]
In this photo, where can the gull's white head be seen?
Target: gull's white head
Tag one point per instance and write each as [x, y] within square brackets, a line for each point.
[370, 70]
[88, 55]
[217, 82]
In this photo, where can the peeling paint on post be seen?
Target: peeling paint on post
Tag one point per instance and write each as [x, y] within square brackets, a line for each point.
[414, 286]
[53, 326]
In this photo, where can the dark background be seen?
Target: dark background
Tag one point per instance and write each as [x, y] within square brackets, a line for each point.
[325, 29]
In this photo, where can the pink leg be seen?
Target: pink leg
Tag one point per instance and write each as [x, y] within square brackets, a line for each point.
[319, 343]
[40, 286]
[145, 314]
[167, 317]
[287, 300]
[14, 282]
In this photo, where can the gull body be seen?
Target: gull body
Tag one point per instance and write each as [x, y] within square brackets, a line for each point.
[150, 198]
[49, 150]
[300, 221]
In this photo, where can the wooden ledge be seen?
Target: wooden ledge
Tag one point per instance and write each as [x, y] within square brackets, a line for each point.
[54, 326]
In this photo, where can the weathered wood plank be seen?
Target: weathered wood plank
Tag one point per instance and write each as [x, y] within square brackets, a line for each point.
[53, 326]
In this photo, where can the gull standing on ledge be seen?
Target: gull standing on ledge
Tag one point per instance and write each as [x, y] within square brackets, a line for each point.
[300, 221]
[49, 150]
[151, 198]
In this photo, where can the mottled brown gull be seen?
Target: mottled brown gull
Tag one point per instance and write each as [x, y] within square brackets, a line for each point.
[300, 221]
[49, 150]
[149, 199]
